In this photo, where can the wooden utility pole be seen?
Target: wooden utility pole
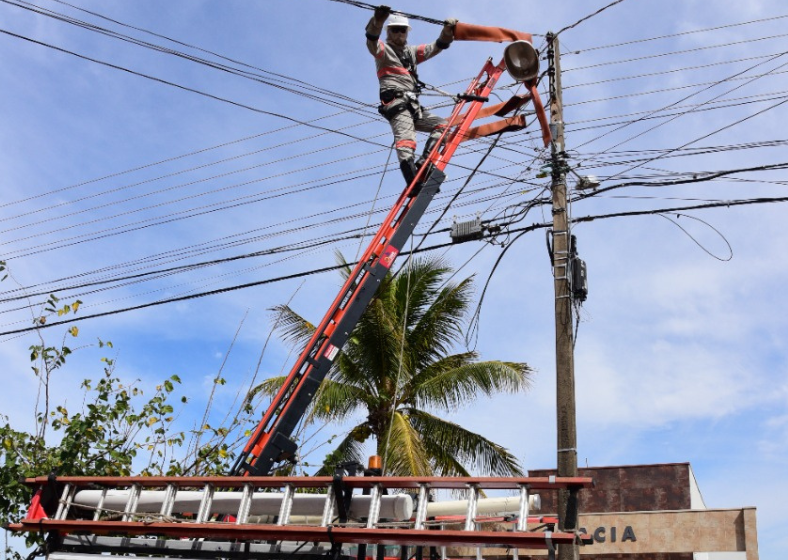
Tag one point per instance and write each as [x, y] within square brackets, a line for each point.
[564, 345]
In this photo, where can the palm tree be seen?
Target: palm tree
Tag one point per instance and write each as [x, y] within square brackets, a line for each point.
[397, 367]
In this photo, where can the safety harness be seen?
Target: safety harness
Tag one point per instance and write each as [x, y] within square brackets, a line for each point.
[411, 98]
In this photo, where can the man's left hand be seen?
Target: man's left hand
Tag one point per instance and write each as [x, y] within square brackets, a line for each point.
[447, 33]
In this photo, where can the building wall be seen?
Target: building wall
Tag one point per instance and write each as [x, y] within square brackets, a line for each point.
[652, 512]
[696, 498]
[666, 535]
[631, 488]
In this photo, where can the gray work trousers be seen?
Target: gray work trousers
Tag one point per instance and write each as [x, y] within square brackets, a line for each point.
[404, 126]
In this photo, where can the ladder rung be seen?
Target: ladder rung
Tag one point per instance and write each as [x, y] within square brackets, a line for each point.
[131, 504]
[374, 506]
[245, 505]
[169, 500]
[100, 505]
[65, 501]
[473, 499]
[205, 504]
[287, 505]
[328, 508]
[421, 508]
[522, 519]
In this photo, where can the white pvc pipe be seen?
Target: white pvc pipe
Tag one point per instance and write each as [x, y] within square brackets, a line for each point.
[398, 506]
[487, 506]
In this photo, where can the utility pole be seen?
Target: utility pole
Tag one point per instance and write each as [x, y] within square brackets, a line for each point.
[566, 422]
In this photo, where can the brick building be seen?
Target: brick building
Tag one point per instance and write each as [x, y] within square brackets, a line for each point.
[655, 512]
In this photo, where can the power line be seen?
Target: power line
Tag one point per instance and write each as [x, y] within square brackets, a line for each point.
[519, 216]
[324, 97]
[189, 213]
[634, 156]
[179, 86]
[703, 137]
[586, 18]
[212, 53]
[159, 273]
[706, 206]
[652, 114]
[366, 6]
[138, 168]
[728, 203]
[50, 206]
[670, 71]
[679, 34]
[672, 53]
[176, 85]
[685, 86]
[687, 97]
[256, 197]
[172, 300]
[696, 178]
[172, 217]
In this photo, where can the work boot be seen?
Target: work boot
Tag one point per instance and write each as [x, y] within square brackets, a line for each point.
[409, 170]
[431, 141]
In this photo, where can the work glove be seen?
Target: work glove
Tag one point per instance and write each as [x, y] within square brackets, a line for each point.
[381, 13]
[447, 33]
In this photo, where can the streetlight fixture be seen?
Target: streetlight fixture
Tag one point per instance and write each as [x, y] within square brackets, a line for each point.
[585, 181]
[522, 61]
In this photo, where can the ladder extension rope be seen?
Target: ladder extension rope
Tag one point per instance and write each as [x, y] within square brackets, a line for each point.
[144, 517]
[374, 202]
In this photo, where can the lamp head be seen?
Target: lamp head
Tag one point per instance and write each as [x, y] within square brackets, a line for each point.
[522, 60]
[588, 182]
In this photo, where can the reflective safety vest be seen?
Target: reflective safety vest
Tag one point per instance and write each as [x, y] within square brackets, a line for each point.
[396, 68]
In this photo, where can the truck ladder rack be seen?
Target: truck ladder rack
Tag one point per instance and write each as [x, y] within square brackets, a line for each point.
[143, 515]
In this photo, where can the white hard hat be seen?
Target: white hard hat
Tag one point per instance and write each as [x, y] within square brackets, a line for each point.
[398, 21]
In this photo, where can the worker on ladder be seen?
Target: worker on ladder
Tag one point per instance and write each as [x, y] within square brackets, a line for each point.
[396, 62]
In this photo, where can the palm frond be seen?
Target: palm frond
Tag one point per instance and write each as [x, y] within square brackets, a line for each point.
[444, 462]
[415, 288]
[351, 371]
[441, 437]
[335, 401]
[440, 327]
[450, 388]
[267, 388]
[376, 343]
[292, 327]
[443, 364]
[347, 267]
[350, 449]
[404, 455]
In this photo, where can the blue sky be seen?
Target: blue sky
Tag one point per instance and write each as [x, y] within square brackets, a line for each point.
[680, 354]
